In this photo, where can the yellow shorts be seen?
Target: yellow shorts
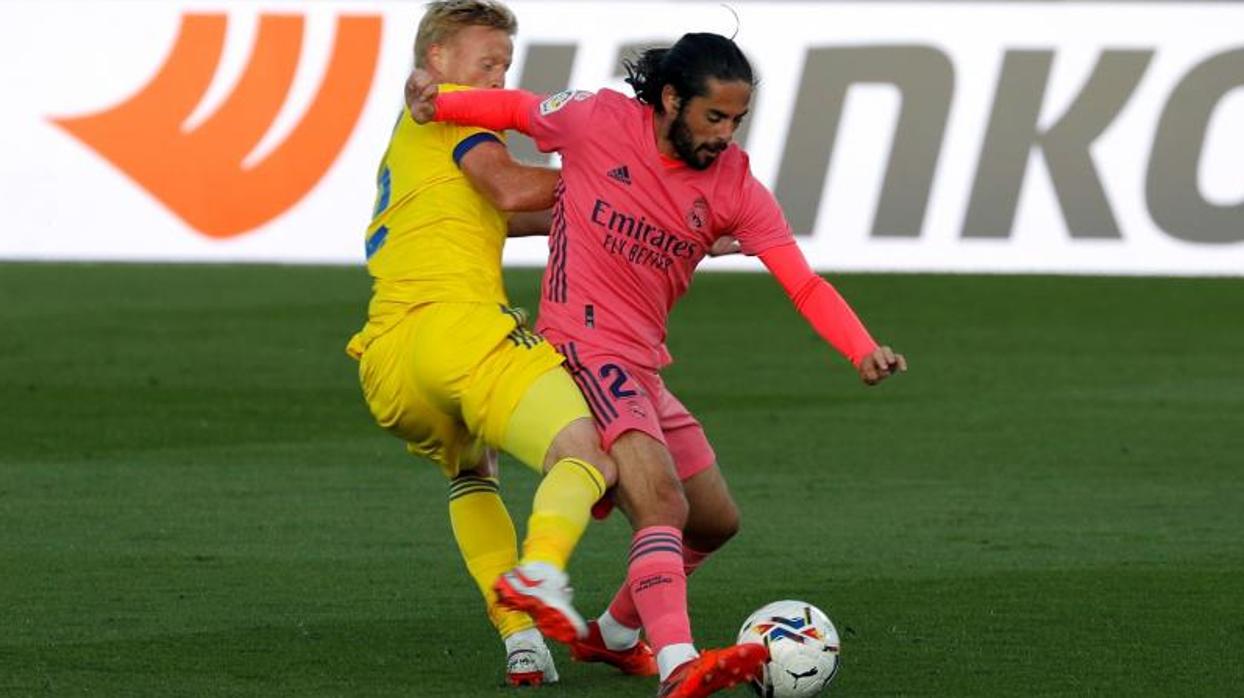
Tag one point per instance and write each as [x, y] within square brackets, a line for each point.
[450, 376]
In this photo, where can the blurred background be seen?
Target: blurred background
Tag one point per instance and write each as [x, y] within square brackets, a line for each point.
[899, 136]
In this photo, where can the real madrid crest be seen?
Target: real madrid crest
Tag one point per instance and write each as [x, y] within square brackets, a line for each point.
[698, 215]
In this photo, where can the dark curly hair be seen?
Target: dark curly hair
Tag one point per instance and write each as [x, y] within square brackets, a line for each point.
[686, 66]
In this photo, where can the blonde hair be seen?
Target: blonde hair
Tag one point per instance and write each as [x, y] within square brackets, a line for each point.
[444, 18]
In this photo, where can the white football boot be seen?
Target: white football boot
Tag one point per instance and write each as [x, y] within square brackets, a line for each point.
[527, 660]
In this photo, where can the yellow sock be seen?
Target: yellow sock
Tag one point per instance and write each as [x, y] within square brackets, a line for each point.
[561, 511]
[486, 538]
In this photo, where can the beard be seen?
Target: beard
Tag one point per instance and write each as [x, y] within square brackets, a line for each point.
[698, 157]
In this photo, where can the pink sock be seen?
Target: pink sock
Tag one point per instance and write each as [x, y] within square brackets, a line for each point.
[658, 585]
[622, 608]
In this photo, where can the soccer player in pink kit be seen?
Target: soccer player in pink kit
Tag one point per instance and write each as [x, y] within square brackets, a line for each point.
[648, 185]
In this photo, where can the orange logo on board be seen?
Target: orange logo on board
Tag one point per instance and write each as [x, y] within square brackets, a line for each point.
[199, 174]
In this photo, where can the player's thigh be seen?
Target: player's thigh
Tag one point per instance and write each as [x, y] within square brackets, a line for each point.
[552, 422]
[683, 432]
[713, 517]
[426, 360]
[402, 404]
[619, 394]
[451, 347]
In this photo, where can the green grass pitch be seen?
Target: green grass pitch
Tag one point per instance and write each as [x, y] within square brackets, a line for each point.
[193, 500]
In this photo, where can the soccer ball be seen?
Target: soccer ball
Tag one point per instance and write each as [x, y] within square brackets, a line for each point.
[803, 649]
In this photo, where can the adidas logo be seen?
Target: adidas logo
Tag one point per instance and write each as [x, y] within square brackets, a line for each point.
[621, 174]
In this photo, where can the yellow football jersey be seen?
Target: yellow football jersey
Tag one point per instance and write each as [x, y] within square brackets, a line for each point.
[432, 237]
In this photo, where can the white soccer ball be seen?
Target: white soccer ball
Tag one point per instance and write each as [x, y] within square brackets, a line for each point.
[803, 649]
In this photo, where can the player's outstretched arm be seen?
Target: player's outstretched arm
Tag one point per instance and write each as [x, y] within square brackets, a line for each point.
[495, 110]
[830, 315]
[508, 185]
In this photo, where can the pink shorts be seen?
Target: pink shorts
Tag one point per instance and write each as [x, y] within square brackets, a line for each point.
[624, 397]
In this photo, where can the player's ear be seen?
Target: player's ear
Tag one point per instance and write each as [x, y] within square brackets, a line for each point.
[437, 58]
[670, 99]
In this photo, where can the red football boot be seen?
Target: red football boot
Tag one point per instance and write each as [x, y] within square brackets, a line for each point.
[714, 670]
[636, 661]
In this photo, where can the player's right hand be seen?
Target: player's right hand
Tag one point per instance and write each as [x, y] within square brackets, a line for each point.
[421, 91]
[882, 363]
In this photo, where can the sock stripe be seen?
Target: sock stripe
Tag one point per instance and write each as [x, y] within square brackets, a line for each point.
[661, 540]
[654, 549]
[663, 545]
[657, 538]
[474, 486]
[462, 479]
[470, 484]
[592, 473]
[659, 535]
[460, 484]
[455, 496]
[474, 483]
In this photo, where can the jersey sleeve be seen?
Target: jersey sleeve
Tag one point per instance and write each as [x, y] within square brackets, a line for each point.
[496, 110]
[819, 302]
[462, 139]
[759, 223]
[561, 119]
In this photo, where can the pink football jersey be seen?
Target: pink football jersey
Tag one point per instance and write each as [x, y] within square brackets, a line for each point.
[630, 226]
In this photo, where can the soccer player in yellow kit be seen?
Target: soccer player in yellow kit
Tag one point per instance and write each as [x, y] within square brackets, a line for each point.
[446, 364]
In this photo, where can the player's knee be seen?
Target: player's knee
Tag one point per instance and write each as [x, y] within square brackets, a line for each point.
[653, 500]
[665, 506]
[579, 440]
[648, 486]
[605, 465]
[673, 505]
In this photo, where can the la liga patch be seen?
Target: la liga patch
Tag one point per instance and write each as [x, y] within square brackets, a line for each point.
[561, 99]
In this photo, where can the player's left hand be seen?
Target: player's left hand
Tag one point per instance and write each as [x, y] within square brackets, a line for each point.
[421, 91]
[724, 245]
[882, 363]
